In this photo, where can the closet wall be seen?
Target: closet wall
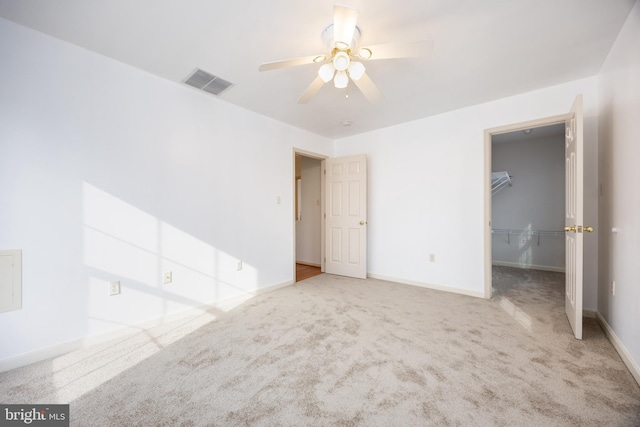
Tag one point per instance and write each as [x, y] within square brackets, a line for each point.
[528, 216]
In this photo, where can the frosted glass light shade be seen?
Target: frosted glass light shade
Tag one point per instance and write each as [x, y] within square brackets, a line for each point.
[341, 80]
[326, 72]
[356, 70]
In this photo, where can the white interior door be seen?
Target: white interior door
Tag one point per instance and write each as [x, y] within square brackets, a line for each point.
[574, 216]
[346, 216]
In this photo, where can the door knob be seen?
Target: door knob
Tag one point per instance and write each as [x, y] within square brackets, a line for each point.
[589, 229]
[363, 222]
[570, 228]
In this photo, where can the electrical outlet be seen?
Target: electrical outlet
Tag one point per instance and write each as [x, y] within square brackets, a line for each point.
[168, 277]
[239, 265]
[432, 257]
[613, 287]
[114, 288]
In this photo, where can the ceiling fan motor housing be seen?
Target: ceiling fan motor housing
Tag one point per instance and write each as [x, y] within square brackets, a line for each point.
[327, 38]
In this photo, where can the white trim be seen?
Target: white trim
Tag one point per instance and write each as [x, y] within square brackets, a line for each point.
[63, 348]
[530, 266]
[488, 241]
[620, 348]
[444, 288]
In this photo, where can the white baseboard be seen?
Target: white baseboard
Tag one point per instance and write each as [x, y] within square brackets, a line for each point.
[67, 347]
[427, 285]
[620, 348]
[531, 266]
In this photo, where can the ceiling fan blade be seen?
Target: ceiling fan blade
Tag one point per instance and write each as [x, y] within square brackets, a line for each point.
[344, 24]
[369, 89]
[417, 49]
[313, 88]
[316, 59]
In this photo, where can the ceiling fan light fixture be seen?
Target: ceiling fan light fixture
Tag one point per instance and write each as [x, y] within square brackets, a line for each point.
[341, 79]
[356, 70]
[326, 72]
[365, 53]
[320, 58]
[341, 45]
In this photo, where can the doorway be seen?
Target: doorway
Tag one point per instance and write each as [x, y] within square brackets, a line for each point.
[308, 221]
[574, 206]
[521, 182]
[528, 202]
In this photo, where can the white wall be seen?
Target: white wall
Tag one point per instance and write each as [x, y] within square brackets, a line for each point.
[534, 201]
[109, 173]
[308, 228]
[426, 188]
[619, 85]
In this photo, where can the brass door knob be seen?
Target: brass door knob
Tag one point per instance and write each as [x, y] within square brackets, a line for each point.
[363, 222]
[589, 229]
[570, 228]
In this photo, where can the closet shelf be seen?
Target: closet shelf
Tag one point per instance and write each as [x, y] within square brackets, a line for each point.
[499, 180]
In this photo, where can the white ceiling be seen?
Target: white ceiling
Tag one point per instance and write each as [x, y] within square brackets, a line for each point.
[550, 131]
[483, 49]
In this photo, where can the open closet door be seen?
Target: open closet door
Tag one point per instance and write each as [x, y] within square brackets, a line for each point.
[574, 216]
[346, 216]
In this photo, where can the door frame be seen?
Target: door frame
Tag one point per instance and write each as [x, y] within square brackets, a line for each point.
[488, 133]
[322, 158]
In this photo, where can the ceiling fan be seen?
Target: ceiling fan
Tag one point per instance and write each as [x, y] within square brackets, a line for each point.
[344, 63]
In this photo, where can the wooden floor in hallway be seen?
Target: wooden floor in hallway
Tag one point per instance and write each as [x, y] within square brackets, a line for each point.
[304, 271]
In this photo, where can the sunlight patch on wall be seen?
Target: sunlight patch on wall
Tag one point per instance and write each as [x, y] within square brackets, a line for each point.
[125, 243]
[119, 257]
[119, 220]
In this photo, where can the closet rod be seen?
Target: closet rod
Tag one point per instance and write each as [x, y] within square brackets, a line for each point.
[521, 233]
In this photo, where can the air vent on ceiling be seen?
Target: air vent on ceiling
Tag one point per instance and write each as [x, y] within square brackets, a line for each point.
[208, 82]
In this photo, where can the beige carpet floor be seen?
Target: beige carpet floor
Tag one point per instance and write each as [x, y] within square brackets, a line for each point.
[337, 351]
